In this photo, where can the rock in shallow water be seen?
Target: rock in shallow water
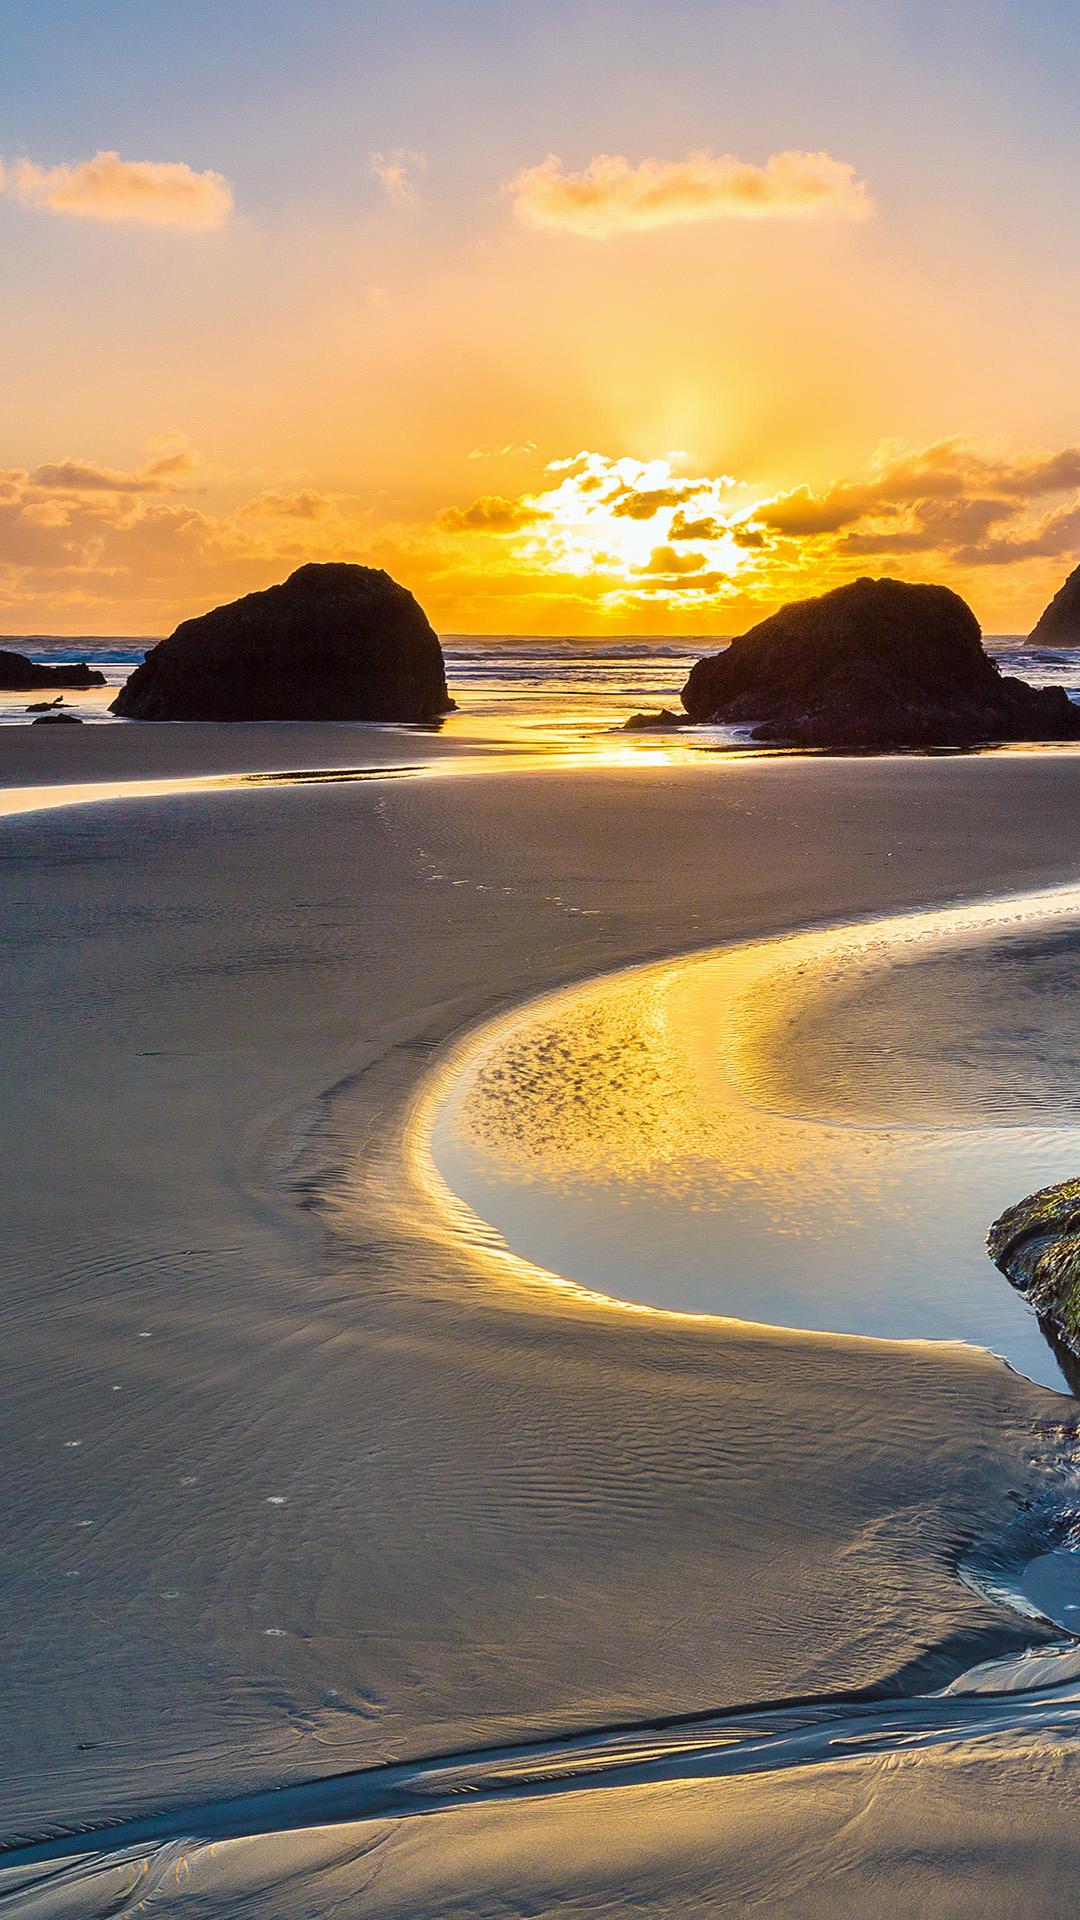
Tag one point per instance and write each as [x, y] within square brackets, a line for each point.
[333, 642]
[879, 663]
[1036, 1244]
[19, 674]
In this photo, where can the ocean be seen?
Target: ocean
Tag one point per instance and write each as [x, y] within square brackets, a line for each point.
[576, 685]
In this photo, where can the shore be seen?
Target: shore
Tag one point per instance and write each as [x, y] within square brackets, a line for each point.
[300, 1486]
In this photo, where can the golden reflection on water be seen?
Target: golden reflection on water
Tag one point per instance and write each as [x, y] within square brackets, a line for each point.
[658, 1136]
[508, 753]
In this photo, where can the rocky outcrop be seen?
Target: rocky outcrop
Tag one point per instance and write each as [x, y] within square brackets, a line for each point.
[333, 642]
[1059, 624]
[20, 675]
[1036, 1244]
[879, 663]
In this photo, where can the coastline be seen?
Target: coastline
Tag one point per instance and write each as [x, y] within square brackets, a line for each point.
[609, 1507]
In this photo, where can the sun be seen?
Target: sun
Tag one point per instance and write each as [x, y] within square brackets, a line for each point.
[636, 526]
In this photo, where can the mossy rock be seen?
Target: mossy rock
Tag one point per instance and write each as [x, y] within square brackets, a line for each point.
[1036, 1244]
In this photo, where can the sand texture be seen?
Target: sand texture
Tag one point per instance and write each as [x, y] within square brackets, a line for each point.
[297, 1485]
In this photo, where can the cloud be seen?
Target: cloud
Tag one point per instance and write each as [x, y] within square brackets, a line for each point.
[88, 546]
[665, 560]
[172, 470]
[1057, 534]
[635, 505]
[396, 171]
[490, 514]
[703, 529]
[162, 193]
[612, 196]
[603, 529]
[952, 470]
[303, 505]
[484, 452]
[943, 499]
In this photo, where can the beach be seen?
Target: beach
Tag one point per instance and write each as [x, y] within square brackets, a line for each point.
[304, 1485]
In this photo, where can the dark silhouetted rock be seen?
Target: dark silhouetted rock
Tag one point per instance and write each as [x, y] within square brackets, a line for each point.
[645, 722]
[334, 642]
[879, 663]
[20, 675]
[1059, 624]
[57, 719]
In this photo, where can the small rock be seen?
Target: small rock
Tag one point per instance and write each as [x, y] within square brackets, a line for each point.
[643, 722]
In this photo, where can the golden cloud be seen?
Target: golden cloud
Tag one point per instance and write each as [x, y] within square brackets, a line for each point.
[491, 513]
[665, 560]
[171, 471]
[699, 551]
[612, 196]
[162, 193]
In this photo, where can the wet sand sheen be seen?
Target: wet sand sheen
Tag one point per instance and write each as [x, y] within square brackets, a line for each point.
[354, 1498]
[811, 1132]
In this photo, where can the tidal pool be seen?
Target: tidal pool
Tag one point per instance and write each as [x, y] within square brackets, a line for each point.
[814, 1131]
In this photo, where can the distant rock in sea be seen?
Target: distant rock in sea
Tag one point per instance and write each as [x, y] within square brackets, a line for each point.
[334, 642]
[1059, 624]
[879, 663]
[20, 675]
[57, 719]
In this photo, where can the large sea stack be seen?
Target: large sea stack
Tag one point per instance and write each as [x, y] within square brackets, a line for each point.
[333, 642]
[20, 675]
[1059, 624]
[879, 663]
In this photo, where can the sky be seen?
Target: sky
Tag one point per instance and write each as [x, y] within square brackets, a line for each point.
[579, 316]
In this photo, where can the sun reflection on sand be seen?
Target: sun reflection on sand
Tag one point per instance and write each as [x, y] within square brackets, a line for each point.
[505, 752]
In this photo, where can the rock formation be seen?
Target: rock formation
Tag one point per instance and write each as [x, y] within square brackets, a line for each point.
[20, 675]
[879, 663]
[1059, 624]
[1036, 1244]
[334, 642]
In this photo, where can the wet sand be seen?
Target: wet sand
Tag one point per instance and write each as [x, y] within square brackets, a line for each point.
[300, 1484]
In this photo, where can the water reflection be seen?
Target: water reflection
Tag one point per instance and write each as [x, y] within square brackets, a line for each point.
[814, 1132]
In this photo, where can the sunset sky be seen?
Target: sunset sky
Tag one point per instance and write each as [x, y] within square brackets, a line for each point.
[579, 316]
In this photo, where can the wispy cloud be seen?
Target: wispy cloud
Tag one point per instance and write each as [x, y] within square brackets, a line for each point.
[397, 172]
[306, 504]
[172, 468]
[612, 196]
[161, 193]
[505, 452]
